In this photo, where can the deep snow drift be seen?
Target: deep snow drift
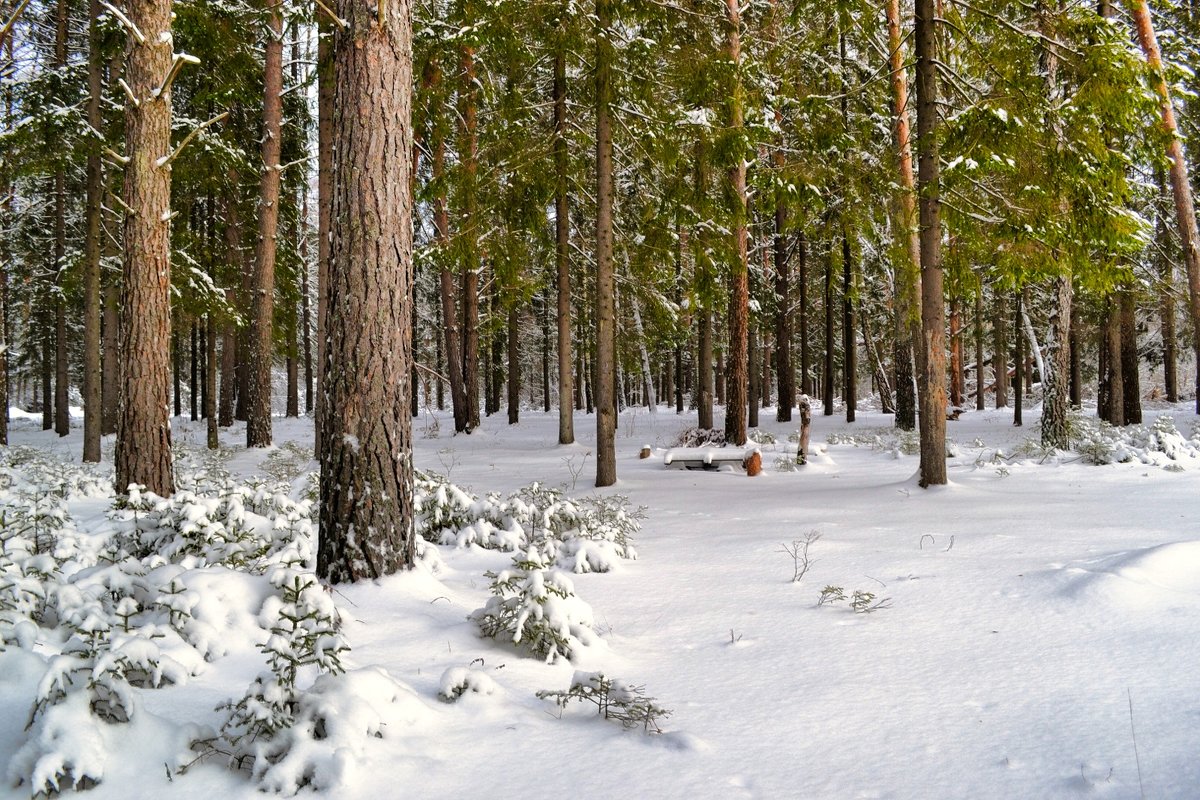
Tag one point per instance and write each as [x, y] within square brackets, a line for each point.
[1034, 631]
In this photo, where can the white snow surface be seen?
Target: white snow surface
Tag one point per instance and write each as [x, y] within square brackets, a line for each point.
[1040, 638]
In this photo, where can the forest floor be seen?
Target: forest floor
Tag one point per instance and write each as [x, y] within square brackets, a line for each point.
[1036, 635]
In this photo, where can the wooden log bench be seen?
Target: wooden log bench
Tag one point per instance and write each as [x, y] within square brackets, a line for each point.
[708, 459]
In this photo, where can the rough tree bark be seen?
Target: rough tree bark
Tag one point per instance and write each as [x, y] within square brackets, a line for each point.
[143, 453]
[606, 412]
[1185, 208]
[93, 412]
[562, 250]
[366, 525]
[737, 374]
[907, 308]
[933, 311]
[262, 292]
[468, 215]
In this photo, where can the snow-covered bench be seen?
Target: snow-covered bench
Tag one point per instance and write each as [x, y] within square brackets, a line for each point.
[707, 458]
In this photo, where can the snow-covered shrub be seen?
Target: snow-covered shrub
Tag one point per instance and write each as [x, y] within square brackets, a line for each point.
[887, 440]
[614, 699]
[586, 535]
[303, 624]
[330, 728]
[458, 681]
[698, 437]
[534, 606]
[1101, 443]
[244, 526]
[761, 437]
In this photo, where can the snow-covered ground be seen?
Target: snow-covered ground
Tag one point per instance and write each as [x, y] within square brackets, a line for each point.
[1035, 635]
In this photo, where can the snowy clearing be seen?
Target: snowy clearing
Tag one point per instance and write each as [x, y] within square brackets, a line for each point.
[1030, 630]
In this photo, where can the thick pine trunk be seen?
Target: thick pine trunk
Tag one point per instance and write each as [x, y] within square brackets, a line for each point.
[1056, 371]
[262, 293]
[933, 310]
[908, 269]
[143, 453]
[366, 525]
[737, 375]
[1185, 208]
[1056, 395]
[606, 413]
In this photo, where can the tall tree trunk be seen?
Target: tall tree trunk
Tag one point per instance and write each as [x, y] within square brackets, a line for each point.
[229, 332]
[447, 289]
[957, 382]
[1000, 348]
[827, 380]
[47, 368]
[469, 155]
[679, 376]
[177, 368]
[366, 525]
[1056, 397]
[1076, 367]
[1113, 377]
[262, 293]
[785, 374]
[544, 302]
[849, 349]
[109, 388]
[305, 302]
[933, 310]
[514, 365]
[1019, 365]
[908, 268]
[93, 413]
[979, 379]
[194, 371]
[806, 386]
[325, 89]
[143, 453]
[606, 413]
[62, 418]
[1130, 384]
[739, 283]
[1056, 371]
[562, 250]
[1166, 272]
[1185, 208]
[210, 382]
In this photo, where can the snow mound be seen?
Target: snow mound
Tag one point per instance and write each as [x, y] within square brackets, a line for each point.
[1149, 576]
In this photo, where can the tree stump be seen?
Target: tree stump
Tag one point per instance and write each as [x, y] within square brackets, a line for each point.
[805, 406]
